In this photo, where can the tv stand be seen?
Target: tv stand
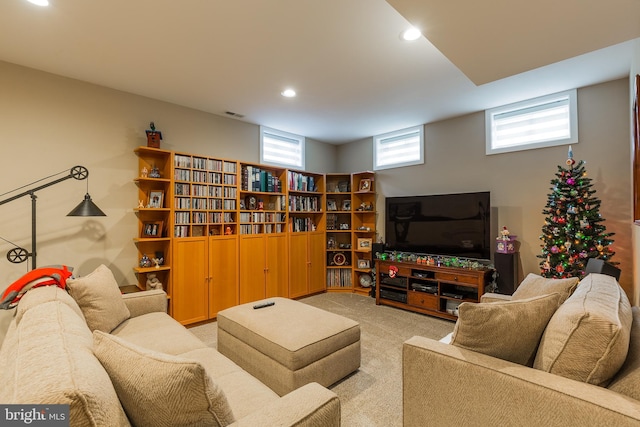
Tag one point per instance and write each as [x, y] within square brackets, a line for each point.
[428, 289]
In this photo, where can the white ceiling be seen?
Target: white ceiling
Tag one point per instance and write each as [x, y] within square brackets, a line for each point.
[354, 76]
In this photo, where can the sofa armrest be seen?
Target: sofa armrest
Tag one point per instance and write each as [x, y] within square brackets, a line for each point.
[309, 405]
[144, 302]
[447, 385]
[491, 297]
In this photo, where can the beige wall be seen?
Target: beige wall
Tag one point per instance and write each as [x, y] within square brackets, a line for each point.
[455, 161]
[635, 69]
[49, 124]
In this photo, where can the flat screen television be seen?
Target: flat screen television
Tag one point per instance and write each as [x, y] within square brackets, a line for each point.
[442, 224]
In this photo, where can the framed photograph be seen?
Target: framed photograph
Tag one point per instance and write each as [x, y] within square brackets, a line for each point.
[343, 186]
[364, 244]
[156, 199]
[331, 205]
[365, 184]
[152, 229]
[346, 205]
[363, 263]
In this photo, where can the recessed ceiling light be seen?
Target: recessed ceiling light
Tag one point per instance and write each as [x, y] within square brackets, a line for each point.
[288, 93]
[411, 34]
[39, 2]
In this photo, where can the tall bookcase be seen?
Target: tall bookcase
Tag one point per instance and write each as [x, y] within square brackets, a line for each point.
[230, 232]
[306, 201]
[350, 231]
[262, 233]
[153, 240]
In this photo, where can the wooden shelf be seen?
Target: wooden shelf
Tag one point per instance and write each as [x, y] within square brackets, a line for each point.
[431, 290]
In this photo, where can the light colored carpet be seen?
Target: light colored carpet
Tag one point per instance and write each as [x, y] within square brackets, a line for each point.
[372, 396]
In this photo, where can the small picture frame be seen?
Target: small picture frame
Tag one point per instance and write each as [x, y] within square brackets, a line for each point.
[331, 205]
[343, 186]
[363, 263]
[346, 205]
[365, 184]
[156, 199]
[152, 229]
[364, 244]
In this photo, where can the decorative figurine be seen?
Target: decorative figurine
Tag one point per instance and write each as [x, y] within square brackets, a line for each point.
[505, 233]
[140, 204]
[145, 261]
[158, 261]
[227, 231]
[155, 172]
[144, 172]
[153, 136]
[153, 282]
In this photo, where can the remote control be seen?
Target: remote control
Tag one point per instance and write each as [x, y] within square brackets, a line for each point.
[263, 305]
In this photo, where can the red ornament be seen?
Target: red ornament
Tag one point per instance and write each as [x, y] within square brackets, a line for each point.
[559, 268]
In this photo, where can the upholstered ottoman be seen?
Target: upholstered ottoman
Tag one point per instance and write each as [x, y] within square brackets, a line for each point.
[289, 344]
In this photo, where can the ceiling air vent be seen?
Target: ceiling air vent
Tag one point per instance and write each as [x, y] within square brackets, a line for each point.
[232, 114]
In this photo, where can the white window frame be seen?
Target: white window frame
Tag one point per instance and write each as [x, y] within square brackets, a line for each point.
[296, 142]
[380, 153]
[540, 104]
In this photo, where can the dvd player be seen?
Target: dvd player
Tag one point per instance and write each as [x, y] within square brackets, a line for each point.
[432, 289]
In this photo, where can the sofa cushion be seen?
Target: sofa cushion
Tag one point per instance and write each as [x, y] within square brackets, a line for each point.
[99, 298]
[48, 359]
[627, 380]
[160, 389]
[587, 339]
[509, 330]
[44, 294]
[534, 285]
[160, 332]
[243, 391]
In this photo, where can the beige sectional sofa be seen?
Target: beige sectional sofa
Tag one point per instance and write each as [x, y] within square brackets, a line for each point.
[584, 369]
[120, 360]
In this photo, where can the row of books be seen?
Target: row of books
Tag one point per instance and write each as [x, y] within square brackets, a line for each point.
[182, 161]
[339, 277]
[300, 182]
[256, 179]
[304, 204]
[301, 224]
[260, 228]
[261, 217]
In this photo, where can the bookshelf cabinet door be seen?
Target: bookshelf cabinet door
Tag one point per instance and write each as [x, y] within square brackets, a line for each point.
[317, 260]
[223, 269]
[298, 264]
[252, 267]
[277, 284]
[190, 290]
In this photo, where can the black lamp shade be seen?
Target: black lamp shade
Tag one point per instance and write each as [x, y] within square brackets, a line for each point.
[86, 208]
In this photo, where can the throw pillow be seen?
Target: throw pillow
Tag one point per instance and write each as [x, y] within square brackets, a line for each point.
[99, 298]
[627, 380]
[587, 339]
[509, 330]
[534, 285]
[159, 389]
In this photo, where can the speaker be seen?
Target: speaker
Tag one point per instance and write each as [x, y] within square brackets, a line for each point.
[507, 269]
[595, 265]
[377, 247]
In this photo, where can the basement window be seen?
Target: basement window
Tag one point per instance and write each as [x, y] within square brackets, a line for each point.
[540, 122]
[399, 148]
[281, 148]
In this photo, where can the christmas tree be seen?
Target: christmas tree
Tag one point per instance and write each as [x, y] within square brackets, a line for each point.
[573, 231]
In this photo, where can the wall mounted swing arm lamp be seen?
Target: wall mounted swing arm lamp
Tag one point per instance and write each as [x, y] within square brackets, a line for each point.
[85, 208]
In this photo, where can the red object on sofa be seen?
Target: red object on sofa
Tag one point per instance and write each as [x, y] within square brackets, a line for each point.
[45, 276]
